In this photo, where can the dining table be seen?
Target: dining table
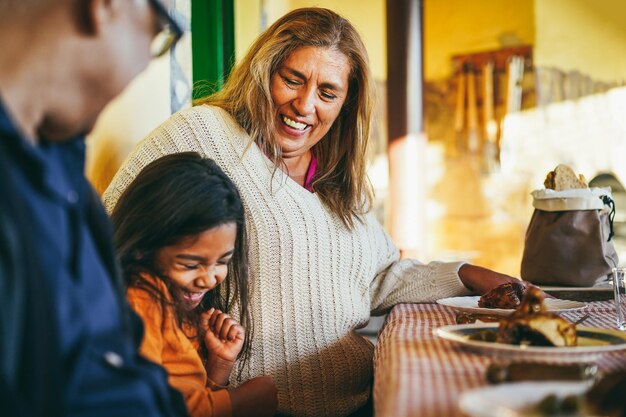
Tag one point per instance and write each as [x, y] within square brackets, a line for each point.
[416, 373]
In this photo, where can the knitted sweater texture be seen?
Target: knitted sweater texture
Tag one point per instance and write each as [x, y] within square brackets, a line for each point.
[313, 281]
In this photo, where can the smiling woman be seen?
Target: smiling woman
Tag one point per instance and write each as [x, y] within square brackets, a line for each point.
[308, 92]
[320, 58]
[290, 129]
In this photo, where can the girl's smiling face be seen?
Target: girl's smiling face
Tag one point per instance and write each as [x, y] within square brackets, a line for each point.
[198, 264]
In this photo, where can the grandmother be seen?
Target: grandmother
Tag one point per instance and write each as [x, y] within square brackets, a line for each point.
[290, 128]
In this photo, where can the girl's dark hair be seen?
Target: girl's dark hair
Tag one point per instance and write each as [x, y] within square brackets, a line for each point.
[176, 197]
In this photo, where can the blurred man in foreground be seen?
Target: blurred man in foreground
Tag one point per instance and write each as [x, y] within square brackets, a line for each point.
[68, 342]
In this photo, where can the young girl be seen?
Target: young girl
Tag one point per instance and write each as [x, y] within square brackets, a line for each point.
[179, 231]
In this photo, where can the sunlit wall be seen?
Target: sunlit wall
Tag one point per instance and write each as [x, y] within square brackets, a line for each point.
[368, 16]
[584, 35]
[460, 27]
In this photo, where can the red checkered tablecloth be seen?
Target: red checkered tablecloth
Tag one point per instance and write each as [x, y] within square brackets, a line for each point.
[417, 374]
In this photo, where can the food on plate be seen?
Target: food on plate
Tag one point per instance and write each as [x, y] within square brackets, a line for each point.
[485, 335]
[468, 318]
[498, 372]
[531, 324]
[564, 178]
[605, 398]
[553, 405]
[507, 295]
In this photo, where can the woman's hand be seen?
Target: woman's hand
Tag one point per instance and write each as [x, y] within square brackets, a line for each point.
[255, 397]
[223, 336]
[480, 280]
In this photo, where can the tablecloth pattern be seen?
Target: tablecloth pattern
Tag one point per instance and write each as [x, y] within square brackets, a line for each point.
[417, 374]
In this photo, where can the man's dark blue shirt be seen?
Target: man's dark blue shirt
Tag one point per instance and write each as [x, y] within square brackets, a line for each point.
[69, 340]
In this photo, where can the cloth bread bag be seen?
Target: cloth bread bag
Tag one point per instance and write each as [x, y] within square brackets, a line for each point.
[568, 241]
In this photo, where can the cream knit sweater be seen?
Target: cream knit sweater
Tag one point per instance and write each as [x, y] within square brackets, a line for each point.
[313, 281]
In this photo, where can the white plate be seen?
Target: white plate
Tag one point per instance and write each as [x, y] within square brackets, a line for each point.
[514, 399]
[592, 342]
[603, 286]
[470, 305]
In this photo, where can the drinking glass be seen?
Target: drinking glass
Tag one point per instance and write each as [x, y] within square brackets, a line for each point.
[619, 292]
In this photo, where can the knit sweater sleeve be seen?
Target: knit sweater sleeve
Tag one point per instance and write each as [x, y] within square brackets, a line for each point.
[408, 280]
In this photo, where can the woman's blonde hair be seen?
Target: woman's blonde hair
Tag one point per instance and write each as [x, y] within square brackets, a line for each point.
[340, 180]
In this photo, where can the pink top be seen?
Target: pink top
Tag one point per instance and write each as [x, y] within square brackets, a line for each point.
[310, 173]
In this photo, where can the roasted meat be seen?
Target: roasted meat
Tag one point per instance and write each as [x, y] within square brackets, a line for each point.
[530, 324]
[507, 295]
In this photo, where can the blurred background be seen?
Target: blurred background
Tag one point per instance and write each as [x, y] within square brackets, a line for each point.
[510, 89]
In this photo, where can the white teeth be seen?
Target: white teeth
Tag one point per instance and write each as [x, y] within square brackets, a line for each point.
[294, 124]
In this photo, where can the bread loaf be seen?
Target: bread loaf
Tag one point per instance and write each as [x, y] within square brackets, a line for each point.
[564, 178]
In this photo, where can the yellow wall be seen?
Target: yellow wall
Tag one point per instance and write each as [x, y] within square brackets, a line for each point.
[247, 25]
[460, 26]
[144, 105]
[249, 20]
[581, 35]
[368, 16]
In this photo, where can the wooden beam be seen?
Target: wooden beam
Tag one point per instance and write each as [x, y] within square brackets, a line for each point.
[407, 142]
[405, 70]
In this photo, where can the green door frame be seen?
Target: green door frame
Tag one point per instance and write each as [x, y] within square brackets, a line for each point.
[212, 44]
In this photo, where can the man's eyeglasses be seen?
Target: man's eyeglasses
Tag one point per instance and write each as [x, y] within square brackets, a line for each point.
[170, 33]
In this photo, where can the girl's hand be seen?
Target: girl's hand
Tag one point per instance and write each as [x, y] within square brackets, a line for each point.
[223, 336]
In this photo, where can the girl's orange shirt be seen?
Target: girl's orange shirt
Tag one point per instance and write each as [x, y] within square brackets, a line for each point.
[167, 344]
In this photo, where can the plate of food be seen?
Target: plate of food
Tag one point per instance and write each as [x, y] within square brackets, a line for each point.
[519, 399]
[503, 300]
[590, 343]
[605, 397]
[470, 305]
[532, 332]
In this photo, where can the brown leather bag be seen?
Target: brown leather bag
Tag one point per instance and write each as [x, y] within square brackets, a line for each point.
[568, 241]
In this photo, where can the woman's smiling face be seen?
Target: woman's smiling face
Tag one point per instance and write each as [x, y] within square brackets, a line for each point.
[308, 91]
[198, 264]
